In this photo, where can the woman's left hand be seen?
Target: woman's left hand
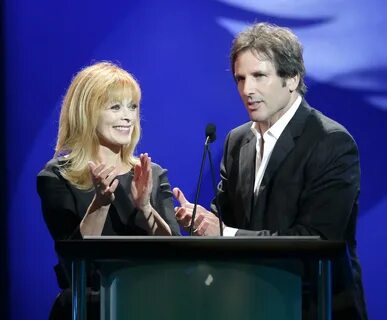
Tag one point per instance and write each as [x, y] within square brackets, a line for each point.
[141, 187]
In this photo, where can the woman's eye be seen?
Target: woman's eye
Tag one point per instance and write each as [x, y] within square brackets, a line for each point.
[115, 107]
[133, 107]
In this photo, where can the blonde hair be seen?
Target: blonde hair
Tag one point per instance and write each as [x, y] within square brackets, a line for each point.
[82, 105]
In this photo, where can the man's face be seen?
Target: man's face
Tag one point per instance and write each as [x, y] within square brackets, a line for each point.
[265, 95]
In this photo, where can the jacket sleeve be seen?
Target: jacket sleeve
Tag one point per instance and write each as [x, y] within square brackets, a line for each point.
[329, 198]
[163, 199]
[58, 205]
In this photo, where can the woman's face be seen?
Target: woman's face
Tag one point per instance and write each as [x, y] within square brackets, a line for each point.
[116, 121]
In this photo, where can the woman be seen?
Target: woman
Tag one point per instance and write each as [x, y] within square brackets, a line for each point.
[94, 185]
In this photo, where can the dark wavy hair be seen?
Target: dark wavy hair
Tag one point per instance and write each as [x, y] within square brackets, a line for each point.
[278, 44]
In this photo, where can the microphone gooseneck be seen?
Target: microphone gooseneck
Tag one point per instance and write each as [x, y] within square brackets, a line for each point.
[191, 227]
[210, 134]
[215, 191]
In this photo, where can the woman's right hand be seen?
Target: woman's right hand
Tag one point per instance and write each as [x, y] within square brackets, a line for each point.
[104, 183]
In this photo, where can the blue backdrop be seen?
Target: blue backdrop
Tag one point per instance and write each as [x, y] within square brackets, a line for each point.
[178, 50]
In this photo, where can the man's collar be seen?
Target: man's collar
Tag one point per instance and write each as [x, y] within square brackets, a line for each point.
[277, 128]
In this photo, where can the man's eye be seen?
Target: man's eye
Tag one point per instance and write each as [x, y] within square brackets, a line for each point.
[239, 79]
[258, 75]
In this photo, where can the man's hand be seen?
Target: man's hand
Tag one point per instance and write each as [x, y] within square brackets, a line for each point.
[206, 223]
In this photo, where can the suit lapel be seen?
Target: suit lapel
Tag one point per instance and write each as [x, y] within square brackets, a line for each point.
[247, 174]
[285, 144]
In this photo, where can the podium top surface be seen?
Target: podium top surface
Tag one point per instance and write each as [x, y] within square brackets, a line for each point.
[151, 247]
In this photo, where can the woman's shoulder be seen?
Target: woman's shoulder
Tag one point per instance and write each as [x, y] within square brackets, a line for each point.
[160, 175]
[53, 167]
[158, 169]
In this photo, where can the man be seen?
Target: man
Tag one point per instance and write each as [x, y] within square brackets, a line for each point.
[290, 170]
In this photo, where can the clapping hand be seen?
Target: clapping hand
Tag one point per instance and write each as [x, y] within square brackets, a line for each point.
[104, 182]
[142, 183]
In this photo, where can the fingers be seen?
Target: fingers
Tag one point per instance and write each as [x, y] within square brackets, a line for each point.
[143, 170]
[103, 177]
[137, 172]
[104, 181]
[113, 186]
[95, 169]
[201, 230]
[99, 172]
[91, 165]
[145, 160]
[110, 190]
[179, 195]
[141, 187]
[198, 221]
[184, 213]
[147, 169]
[183, 217]
[207, 225]
[110, 177]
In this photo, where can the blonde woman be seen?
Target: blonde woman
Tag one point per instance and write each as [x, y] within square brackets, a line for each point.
[95, 185]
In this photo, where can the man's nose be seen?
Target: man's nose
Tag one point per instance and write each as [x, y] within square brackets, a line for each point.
[249, 86]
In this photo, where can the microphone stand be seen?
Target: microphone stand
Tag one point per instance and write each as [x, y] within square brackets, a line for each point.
[198, 186]
[215, 191]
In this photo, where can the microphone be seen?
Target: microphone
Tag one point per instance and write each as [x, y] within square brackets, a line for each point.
[210, 134]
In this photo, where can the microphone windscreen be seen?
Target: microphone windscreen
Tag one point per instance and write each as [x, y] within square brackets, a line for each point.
[211, 132]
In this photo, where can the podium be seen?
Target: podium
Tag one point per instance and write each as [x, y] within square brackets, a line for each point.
[201, 277]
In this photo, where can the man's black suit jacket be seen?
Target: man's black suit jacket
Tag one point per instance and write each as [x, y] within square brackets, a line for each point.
[310, 187]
